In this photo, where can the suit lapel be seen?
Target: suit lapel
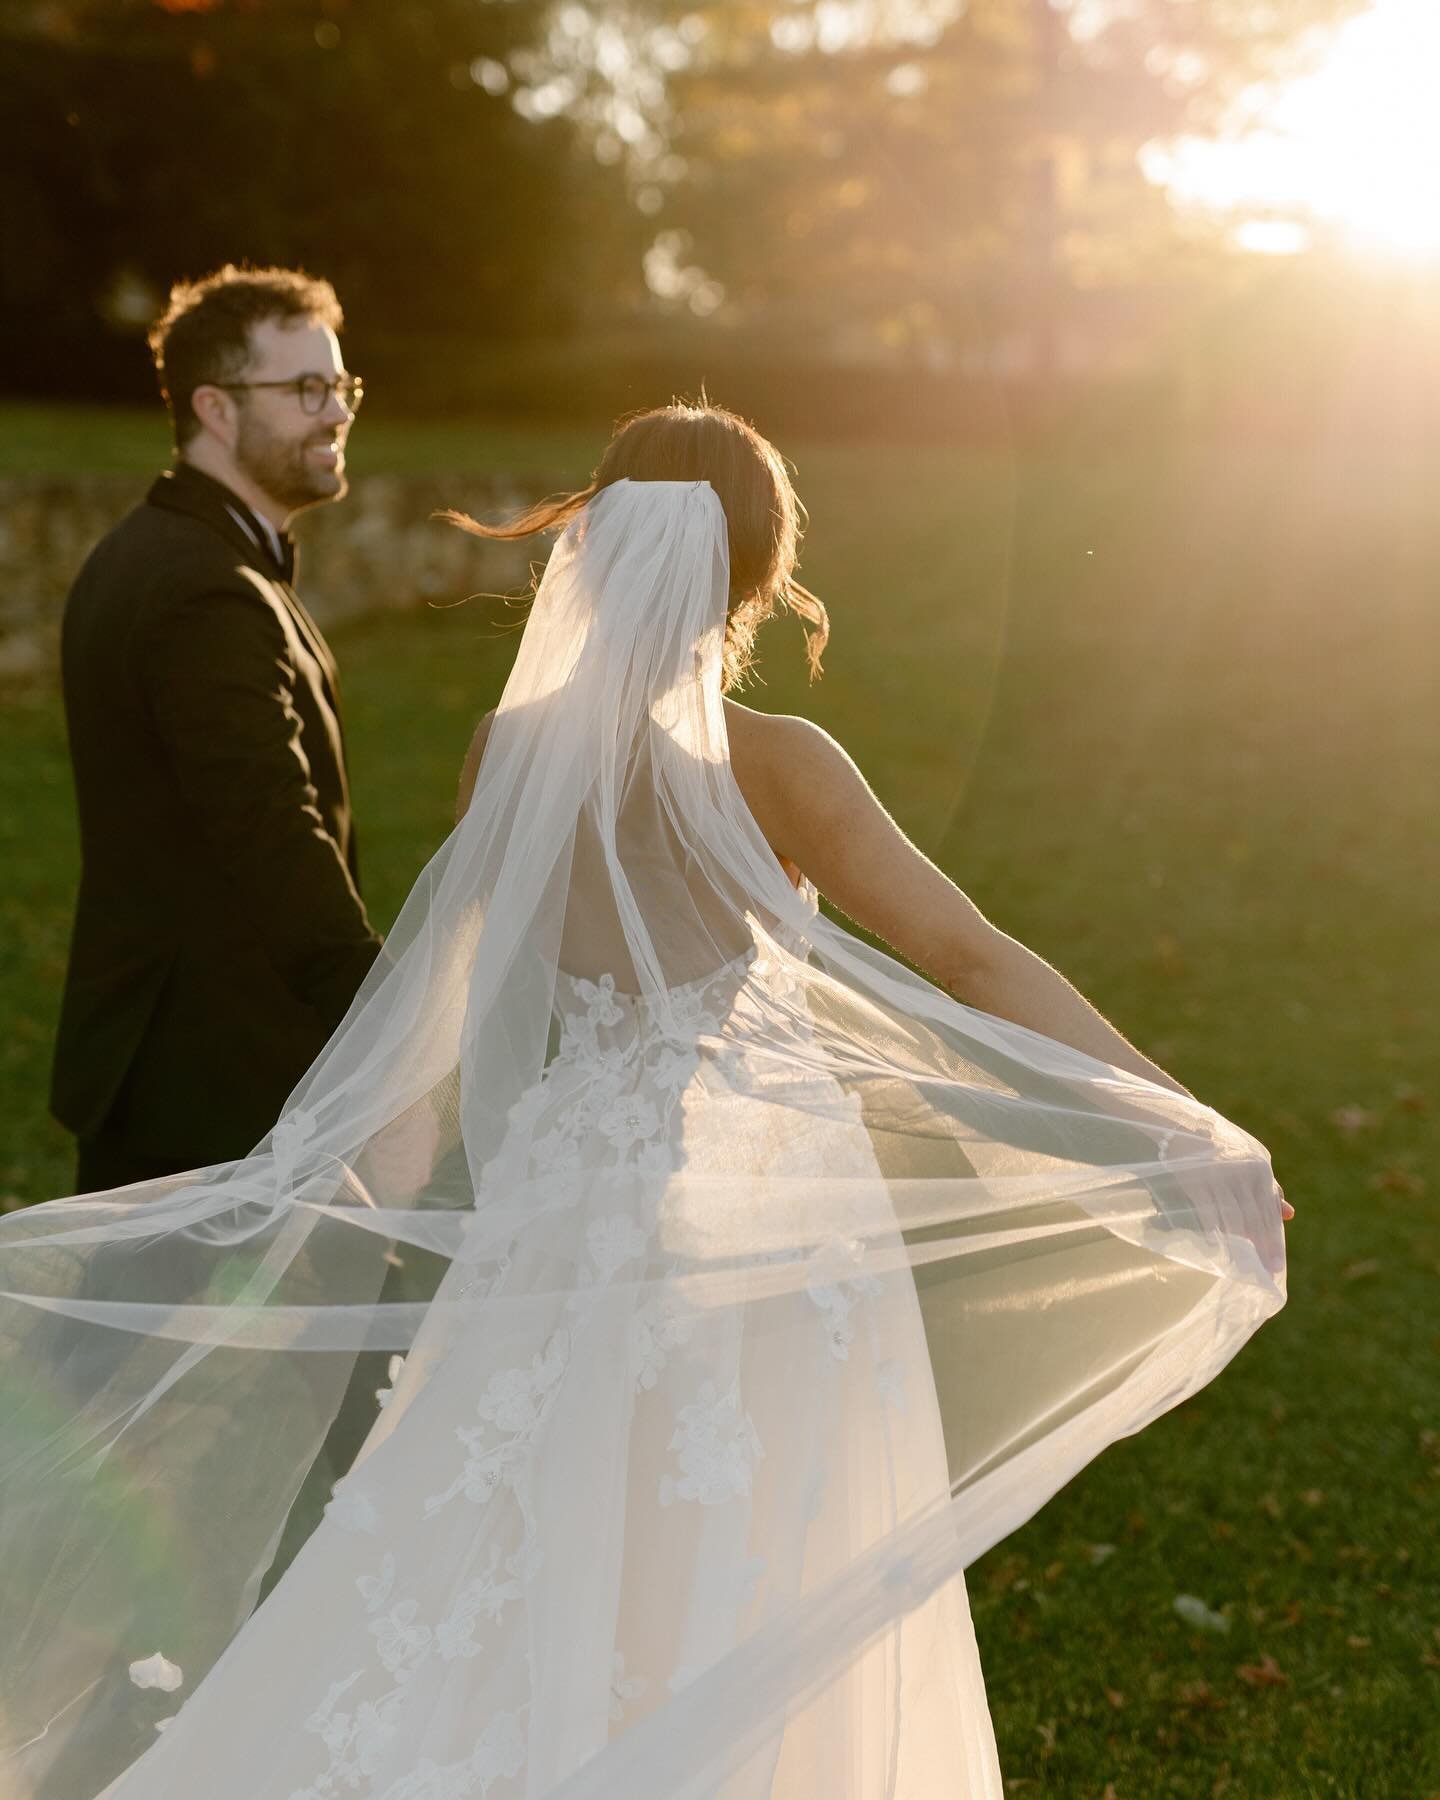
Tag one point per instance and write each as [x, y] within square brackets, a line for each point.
[311, 634]
[184, 489]
[187, 489]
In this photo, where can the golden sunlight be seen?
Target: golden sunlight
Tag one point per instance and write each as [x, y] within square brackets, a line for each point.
[1349, 153]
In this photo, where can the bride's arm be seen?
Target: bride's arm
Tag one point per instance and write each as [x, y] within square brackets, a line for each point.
[816, 808]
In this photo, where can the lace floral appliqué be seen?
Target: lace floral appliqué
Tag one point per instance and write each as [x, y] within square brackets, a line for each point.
[717, 1447]
[514, 1403]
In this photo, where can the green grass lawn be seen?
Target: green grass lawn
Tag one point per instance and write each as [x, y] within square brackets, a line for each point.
[1170, 718]
[53, 440]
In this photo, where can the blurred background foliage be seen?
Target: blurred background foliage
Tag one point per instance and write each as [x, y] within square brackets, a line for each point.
[911, 218]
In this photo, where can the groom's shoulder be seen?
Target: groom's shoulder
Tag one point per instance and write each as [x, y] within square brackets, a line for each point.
[180, 538]
[159, 556]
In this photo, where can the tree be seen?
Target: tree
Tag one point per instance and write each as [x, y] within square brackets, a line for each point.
[914, 164]
[375, 141]
[906, 177]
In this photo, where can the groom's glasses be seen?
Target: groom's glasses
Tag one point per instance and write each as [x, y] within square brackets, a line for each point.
[314, 390]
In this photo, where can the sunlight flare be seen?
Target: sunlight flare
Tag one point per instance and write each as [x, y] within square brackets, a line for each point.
[1349, 152]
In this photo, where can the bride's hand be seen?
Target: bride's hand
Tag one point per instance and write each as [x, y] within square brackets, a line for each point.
[1287, 1211]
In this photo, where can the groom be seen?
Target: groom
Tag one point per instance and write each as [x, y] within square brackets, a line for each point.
[219, 935]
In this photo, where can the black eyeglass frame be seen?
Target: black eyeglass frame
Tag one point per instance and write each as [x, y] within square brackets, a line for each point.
[300, 385]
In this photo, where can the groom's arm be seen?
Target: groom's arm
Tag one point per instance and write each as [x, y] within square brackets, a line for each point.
[220, 682]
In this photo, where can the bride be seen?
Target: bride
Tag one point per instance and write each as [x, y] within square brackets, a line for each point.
[739, 1285]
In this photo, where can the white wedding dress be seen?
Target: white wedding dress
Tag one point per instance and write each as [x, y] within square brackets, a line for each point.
[760, 1287]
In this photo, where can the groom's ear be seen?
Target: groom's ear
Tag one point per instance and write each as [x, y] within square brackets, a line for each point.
[216, 411]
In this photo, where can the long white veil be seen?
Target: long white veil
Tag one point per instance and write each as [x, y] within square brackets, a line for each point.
[619, 1122]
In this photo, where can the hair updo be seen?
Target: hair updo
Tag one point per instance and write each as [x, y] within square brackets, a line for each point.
[763, 513]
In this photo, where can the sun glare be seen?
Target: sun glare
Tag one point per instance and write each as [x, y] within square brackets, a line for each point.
[1350, 151]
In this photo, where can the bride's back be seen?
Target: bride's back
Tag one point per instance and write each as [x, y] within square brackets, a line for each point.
[696, 925]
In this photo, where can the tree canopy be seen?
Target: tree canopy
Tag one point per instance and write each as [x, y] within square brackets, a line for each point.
[897, 164]
[493, 171]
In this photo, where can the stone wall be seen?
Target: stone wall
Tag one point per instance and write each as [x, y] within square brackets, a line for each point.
[377, 550]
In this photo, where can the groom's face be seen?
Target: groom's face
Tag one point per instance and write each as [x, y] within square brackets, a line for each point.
[295, 457]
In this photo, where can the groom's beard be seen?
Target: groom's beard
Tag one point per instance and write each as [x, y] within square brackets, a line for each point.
[285, 469]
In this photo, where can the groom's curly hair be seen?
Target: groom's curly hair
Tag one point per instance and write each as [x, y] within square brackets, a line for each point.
[203, 336]
[699, 441]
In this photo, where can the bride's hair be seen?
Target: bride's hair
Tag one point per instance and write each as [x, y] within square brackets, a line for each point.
[764, 514]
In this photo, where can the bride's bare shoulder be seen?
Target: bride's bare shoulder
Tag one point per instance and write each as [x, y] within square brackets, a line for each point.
[819, 813]
[781, 750]
[754, 729]
[797, 780]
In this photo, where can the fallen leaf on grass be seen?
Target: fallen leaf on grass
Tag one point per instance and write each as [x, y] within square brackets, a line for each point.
[1196, 1613]
[1351, 1119]
[1361, 1553]
[1199, 1694]
[1099, 1553]
[1263, 1674]
[1398, 1181]
[1004, 1576]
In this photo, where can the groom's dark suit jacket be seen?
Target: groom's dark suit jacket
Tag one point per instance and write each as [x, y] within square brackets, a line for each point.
[219, 936]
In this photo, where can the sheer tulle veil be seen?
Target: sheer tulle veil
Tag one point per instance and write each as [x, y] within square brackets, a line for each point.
[771, 1262]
